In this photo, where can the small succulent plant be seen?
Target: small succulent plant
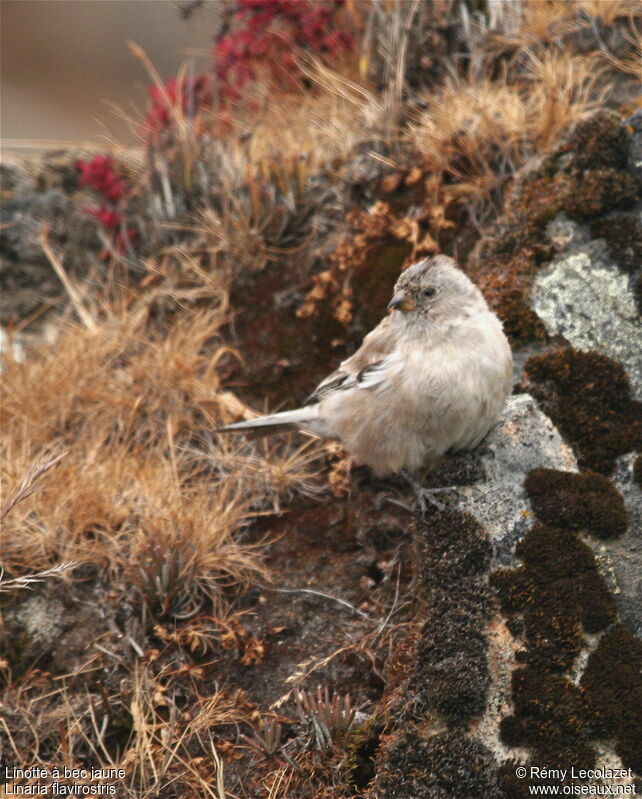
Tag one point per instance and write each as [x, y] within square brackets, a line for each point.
[166, 580]
[330, 718]
[267, 738]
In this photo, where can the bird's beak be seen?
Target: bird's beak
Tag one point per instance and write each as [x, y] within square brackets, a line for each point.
[402, 301]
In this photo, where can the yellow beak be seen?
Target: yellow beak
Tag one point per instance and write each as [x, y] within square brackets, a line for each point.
[402, 301]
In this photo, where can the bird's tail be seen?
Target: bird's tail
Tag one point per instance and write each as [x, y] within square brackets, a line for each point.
[296, 418]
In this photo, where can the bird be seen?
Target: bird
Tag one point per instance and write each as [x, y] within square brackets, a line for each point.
[430, 379]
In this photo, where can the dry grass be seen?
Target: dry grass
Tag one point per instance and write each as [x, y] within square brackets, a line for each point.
[628, 64]
[608, 12]
[528, 78]
[532, 25]
[478, 132]
[149, 507]
[156, 506]
[313, 129]
[265, 152]
[134, 404]
[161, 745]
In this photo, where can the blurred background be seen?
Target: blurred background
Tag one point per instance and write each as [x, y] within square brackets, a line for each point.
[67, 74]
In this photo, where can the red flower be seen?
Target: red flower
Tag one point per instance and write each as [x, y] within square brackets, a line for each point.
[259, 38]
[108, 218]
[267, 33]
[99, 174]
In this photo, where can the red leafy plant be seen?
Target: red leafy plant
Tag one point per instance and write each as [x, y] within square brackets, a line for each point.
[112, 187]
[264, 37]
[259, 39]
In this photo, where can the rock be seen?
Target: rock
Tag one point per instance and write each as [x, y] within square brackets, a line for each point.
[524, 440]
[585, 298]
[567, 255]
[42, 622]
[587, 178]
[513, 676]
[48, 631]
[36, 196]
[624, 555]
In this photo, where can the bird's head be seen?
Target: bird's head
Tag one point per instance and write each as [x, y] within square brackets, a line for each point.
[435, 288]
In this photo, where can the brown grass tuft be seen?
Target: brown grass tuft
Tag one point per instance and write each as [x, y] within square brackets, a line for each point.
[134, 403]
[478, 132]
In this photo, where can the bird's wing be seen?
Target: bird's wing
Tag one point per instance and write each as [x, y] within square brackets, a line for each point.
[364, 369]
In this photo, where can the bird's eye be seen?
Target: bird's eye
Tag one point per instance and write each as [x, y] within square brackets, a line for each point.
[430, 291]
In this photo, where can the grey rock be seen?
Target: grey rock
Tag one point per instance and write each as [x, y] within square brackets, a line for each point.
[45, 626]
[524, 440]
[623, 555]
[585, 298]
[43, 620]
[582, 296]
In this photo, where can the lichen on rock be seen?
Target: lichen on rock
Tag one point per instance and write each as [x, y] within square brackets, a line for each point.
[592, 306]
[586, 178]
[524, 439]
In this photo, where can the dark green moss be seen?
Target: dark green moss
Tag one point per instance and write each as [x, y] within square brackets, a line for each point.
[558, 589]
[600, 191]
[587, 501]
[514, 588]
[451, 671]
[550, 719]
[451, 764]
[459, 468]
[463, 603]
[623, 234]
[597, 142]
[560, 592]
[450, 675]
[537, 202]
[361, 749]
[514, 787]
[451, 545]
[515, 626]
[553, 631]
[588, 397]
[612, 684]
[563, 569]
[521, 323]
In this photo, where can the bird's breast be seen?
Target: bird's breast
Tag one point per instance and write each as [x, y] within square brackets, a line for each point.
[461, 374]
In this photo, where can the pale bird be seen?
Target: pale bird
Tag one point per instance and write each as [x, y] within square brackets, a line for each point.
[431, 378]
